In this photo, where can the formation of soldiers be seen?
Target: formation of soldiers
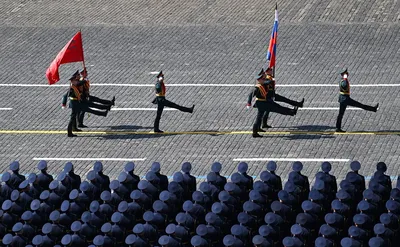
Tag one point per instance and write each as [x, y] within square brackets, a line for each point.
[153, 211]
[266, 98]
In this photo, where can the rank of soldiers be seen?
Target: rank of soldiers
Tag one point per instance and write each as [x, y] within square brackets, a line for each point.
[39, 210]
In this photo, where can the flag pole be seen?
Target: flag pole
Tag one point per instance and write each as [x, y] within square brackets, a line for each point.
[83, 61]
[273, 70]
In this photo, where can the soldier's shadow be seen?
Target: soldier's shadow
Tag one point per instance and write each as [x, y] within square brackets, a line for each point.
[318, 129]
[313, 128]
[129, 127]
[131, 136]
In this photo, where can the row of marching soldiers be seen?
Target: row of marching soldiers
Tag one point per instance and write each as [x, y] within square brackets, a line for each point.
[81, 101]
[130, 211]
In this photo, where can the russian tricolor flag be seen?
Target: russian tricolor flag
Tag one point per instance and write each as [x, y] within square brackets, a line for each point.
[271, 55]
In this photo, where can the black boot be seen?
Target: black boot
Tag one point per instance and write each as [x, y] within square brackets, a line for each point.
[191, 109]
[301, 103]
[339, 130]
[295, 110]
[158, 131]
[113, 101]
[76, 130]
[266, 126]
[261, 130]
[256, 135]
[71, 135]
[82, 126]
[376, 107]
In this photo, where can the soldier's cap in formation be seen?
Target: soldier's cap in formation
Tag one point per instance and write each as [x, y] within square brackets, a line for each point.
[343, 195]
[297, 166]
[296, 229]
[17, 227]
[37, 240]
[271, 166]
[216, 167]
[68, 167]
[5, 177]
[187, 206]
[94, 206]
[265, 230]
[242, 167]
[55, 215]
[46, 229]
[322, 242]
[170, 229]
[42, 165]
[86, 217]
[243, 218]
[216, 208]
[326, 167]
[355, 165]
[106, 227]
[359, 219]
[379, 229]
[258, 240]
[211, 177]
[229, 240]
[197, 240]
[26, 216]
[330, 218]
[98, 166]
[24, 184]
[344, 71]
[138, 228]
[288, 242]
[376, 242]
[205, 187]
[14, 195]
[148, 216]
[211, 218]
[385, 218]
[201, 230]
[14, 166]
[381, 166]
[319, 185]
[32, 178]
[129, 167]
[105, 196]
[177, 177]
[326, 230]
[155, 167]
[180, 218]
[130, 239]
[186, 167]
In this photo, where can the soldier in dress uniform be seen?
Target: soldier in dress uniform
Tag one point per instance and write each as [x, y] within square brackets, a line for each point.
[247, 179]
[303, 180]
[198, 241]
[265, 103]
[156, 167]
[345, 100]
[6, 187]
[329, 179]
[133, 240]
[90, 100]
[275, 181]
[19, 239]
[16, 178]
[134, 179]
[74, 179]
[276, 97]
[34, 189]
[355, 166]
[260, 241]
[104, 180]
[232, 241]
[188, 179]
[27, 228]
[292, 242]
[43, 177]
[221, 180]
[180, 233]
[162, 102]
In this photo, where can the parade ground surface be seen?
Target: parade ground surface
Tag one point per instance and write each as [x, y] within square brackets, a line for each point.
[210, 52]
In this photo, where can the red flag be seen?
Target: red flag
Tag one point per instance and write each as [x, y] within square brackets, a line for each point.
[72, 52]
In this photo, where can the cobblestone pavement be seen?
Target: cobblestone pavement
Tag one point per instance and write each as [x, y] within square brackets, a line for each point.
[201, 42]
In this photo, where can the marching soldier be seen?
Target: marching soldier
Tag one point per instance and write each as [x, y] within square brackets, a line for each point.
[345, 100]
[276, 97]
[91, 100]
[161, 101]
[76, 105]
[265, 103]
